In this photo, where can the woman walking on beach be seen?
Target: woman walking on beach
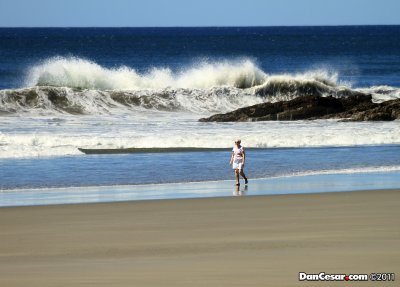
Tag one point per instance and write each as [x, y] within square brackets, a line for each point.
[237, 161]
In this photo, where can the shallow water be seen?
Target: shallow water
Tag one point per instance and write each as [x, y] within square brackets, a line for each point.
[317, 183]
[146, 168]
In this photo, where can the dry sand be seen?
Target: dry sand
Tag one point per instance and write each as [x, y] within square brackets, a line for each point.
[238, 241]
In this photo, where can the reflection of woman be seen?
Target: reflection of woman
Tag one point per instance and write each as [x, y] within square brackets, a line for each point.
[240, 192]
[237, 161]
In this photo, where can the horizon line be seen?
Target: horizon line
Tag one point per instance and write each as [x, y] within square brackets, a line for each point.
[211, 26]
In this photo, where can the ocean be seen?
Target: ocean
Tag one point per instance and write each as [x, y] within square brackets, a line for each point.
[67, 88]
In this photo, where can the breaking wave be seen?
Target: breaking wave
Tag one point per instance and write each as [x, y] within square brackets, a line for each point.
[84, 74]
[74, 101]
[78, 86]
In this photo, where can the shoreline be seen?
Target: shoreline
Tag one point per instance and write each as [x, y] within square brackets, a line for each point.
[230, 241]
[296, 184]
[196, 198]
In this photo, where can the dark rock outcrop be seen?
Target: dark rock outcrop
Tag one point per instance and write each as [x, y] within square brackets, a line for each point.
[357, 107]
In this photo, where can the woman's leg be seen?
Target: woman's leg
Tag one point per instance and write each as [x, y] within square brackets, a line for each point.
[243, 175]
[237, 176]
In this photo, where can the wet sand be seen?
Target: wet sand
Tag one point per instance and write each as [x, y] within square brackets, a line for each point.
[236, 241]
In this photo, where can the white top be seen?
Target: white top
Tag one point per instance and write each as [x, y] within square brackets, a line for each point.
[238, 153]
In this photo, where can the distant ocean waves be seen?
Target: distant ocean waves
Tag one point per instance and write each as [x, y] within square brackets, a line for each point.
[77, 86]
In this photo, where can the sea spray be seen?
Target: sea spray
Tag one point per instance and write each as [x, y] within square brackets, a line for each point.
[85, 74]
[79, 86]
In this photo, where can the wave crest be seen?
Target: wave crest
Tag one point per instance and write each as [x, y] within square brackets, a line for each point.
[75, 101]
[77, 86]
[85, 74]
[319, 82]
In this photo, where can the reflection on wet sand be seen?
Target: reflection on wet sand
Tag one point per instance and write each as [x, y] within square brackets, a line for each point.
[240, 191]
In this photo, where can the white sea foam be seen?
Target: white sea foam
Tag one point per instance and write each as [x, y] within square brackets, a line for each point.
[31, 137]
[382, 93]
[78, 86]
[81, 73]
[51, 100]
[370, 169]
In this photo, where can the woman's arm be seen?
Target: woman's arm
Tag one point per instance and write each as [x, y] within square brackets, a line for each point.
[230, 163]
[244, 157]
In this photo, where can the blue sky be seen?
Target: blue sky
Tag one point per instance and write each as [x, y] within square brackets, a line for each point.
[125, 13]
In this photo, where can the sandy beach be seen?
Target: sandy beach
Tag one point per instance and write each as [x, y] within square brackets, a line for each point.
[236, 241]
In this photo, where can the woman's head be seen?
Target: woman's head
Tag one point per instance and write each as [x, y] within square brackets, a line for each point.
[238, 142]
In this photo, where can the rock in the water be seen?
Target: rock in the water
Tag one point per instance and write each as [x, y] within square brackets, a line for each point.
[357, 107]
[386, 111]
